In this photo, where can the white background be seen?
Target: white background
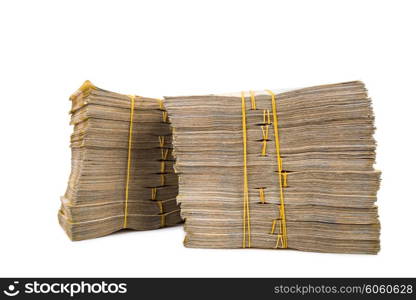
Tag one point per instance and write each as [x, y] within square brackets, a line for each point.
[156, 48]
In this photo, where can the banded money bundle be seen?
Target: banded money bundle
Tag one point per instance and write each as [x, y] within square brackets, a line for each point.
[122, 167]
[278, 170]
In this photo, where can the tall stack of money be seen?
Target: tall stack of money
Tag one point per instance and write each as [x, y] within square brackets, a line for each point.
[122, 168]
[278, 170]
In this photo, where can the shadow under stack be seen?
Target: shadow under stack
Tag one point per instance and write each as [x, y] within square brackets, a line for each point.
[122, 167]
[278, 170]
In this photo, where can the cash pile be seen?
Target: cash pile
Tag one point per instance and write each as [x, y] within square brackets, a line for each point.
[278, 170]
[122, 167]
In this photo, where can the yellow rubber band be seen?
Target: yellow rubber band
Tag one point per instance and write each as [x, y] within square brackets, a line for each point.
[162, 220]
[253, 100]
[246, 210]
[165, 153]
[164, 116]
[265, 132]
[266, 117]
[164, 112]
[161, 141]
[160, 204]
[273, 226]
[264, 148]
[279, 239]
[279, 166]
[132, 99]
[284, 179]
[154, 193]
[262, 196]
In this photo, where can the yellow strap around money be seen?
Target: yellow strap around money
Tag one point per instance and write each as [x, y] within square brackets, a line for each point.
[154, 193]
[164, 112]
[284, 179]
[161, 141]
[160, 205]
[165, 153]
[162, 220]
[246, 210]
[262, 196]
[265, 130]
[283, 234]
[162, 214]
[132, 99]
[162, 166]
[265, 133]
[253, 100]
[266, 117]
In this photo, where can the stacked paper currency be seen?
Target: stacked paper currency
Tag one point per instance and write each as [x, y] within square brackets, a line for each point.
[122, 167]
[233, 191]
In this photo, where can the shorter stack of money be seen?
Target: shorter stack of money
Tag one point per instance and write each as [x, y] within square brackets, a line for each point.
[278, 170]
[122, 167]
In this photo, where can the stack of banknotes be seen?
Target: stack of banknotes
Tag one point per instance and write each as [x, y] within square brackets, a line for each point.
[122, 167]
[280, 170]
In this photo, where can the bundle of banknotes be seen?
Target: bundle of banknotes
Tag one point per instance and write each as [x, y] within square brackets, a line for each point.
[122, 167]
[280, 170]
